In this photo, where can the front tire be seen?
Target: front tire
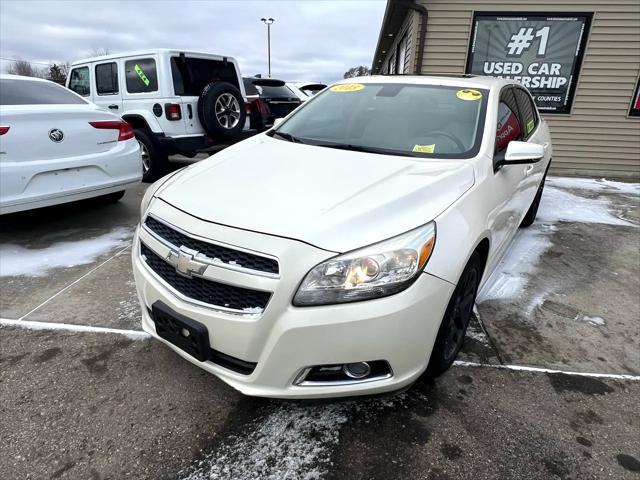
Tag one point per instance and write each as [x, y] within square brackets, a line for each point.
[456, 318]
[530, 217]
[154, 161]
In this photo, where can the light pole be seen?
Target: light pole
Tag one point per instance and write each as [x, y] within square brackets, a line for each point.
[268, 21]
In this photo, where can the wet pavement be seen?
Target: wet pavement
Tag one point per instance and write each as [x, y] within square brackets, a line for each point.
[103, 405]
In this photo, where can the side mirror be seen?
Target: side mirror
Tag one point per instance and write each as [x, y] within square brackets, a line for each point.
[523, 152]
[277, 121]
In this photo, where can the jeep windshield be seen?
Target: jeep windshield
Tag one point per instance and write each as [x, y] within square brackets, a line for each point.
[392, 118]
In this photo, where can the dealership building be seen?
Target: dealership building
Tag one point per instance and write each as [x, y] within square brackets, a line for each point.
[580, 60]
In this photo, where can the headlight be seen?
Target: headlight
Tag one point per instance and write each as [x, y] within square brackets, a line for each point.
[375, 271]
[151, 191]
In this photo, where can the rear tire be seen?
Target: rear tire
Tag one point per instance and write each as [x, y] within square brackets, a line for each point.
[456, 318]
[530, 217]
[154, 160]
[222, 111]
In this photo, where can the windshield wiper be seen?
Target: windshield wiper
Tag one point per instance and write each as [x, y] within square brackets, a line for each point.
[287, 136]
[354, 148]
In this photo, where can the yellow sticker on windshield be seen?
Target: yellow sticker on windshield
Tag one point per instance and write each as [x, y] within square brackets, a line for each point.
[425, 148]
[347, 87]
[468, 94]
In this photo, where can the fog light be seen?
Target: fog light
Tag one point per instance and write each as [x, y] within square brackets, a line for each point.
[185, 333]
[356, 370]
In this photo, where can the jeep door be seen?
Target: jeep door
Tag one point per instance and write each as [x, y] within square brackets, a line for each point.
[106, 92]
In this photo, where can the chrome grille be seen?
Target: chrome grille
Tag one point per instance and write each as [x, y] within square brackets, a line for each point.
[203, 290]
[229, 256]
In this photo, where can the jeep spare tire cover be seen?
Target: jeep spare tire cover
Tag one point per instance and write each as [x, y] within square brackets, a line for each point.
[221, 110]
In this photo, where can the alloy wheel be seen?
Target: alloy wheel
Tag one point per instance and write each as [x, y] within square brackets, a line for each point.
[227, 110]
[146, 158]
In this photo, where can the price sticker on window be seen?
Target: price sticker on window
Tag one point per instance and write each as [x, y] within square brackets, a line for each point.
[347, 87]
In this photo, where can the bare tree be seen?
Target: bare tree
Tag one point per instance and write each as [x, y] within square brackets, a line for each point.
[99, 52]
[24, 68]
[360, 71]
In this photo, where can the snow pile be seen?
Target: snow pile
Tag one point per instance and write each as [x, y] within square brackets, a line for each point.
[509, 279]
[293, 442]
[16, 260]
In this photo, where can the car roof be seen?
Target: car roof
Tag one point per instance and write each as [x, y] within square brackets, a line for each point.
[152, 51]
[8, 76]
[465, 81]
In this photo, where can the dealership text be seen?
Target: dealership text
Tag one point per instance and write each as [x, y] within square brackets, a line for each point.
[538, 75]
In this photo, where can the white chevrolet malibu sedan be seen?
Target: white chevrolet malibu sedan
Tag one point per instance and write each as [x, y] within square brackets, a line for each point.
[340, 253]
[56, 147]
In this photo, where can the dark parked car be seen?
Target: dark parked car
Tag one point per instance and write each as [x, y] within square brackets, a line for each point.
[268, 99]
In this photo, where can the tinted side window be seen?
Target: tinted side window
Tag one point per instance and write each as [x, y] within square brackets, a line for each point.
[508, 128]
[29, 92]
[107, 78]
[191, 75]
[141, 75]
[529, 118]
[79, 81]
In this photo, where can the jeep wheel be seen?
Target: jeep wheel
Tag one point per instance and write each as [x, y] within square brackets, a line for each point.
[221, 110]
[154, 160]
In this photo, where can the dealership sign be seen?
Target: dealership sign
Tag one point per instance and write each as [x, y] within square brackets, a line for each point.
[541, 51]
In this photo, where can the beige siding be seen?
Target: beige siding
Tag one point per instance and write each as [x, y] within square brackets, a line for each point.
[409, 26]
[597, 138]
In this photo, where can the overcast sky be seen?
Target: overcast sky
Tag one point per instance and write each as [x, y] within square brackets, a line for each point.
[310, 39]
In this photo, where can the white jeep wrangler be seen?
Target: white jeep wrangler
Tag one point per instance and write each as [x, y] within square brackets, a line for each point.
[178, 102]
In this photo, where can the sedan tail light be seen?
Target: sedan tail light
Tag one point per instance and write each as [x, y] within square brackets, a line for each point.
[3, 130]
[125, 132]
[172, 111]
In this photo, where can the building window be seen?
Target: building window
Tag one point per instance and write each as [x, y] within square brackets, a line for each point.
[543, 52]
[634, 110]
[402, 54]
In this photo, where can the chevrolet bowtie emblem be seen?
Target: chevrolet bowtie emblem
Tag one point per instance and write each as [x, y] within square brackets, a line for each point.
[185, 262]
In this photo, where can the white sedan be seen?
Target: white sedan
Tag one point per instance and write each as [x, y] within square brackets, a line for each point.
[55, 147]
[340, 253]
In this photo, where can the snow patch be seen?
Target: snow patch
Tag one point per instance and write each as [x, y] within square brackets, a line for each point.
[294, 442]
[601, 185]
[597, 321]
[16, 260]
[559, 205]
[510, 277]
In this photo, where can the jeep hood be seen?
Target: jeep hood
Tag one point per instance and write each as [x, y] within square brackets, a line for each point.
[334, 199]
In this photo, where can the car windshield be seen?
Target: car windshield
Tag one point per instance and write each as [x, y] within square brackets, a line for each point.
[392, 118]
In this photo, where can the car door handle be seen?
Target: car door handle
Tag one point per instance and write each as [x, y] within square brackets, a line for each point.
[546, 145]
[113, 107]
[528, 170]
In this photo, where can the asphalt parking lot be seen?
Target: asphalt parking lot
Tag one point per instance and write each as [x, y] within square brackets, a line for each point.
[85, 395]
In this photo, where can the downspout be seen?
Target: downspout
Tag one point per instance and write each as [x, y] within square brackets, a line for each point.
[424, 17]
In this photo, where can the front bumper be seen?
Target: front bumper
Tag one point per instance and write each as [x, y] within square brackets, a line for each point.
[284, 340]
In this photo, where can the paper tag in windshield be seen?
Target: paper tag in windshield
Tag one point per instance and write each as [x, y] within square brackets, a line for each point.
[424, 148]
[530, 125]
[347, 87]
[468, 94]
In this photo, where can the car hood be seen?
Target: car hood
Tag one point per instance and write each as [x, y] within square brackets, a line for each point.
[334, 199]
